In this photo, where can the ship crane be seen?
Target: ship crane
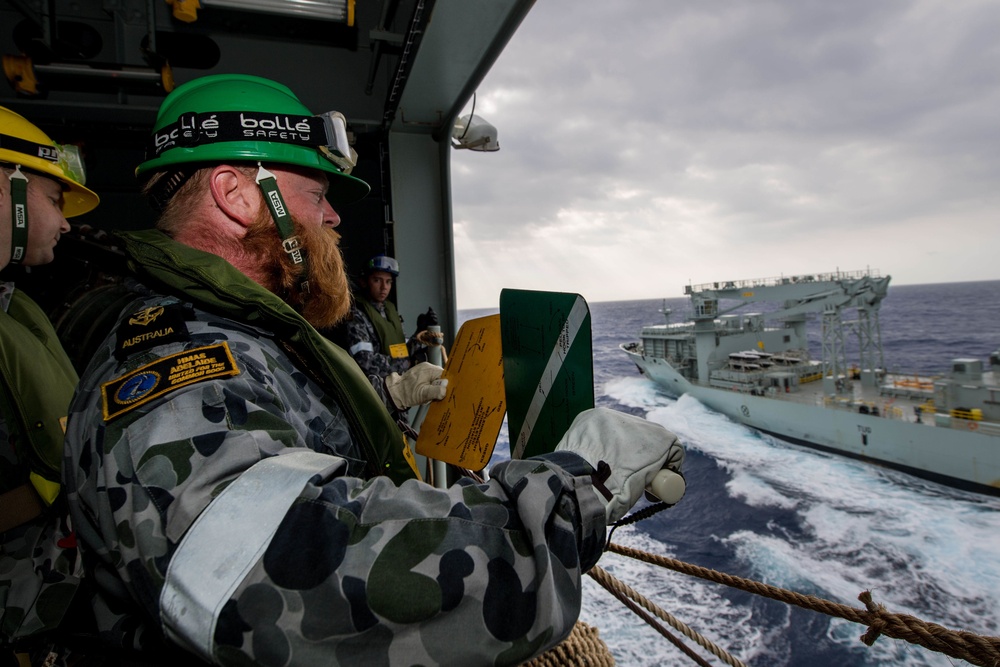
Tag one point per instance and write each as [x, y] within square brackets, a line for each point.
[825, 294]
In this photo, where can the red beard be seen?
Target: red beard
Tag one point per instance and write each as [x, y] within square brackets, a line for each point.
[329, 296]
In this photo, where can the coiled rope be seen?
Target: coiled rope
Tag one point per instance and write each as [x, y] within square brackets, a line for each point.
[583, 647]
[973, 648]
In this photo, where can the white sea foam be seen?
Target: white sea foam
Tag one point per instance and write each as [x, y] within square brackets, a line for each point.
[923, 549]
[756, 491]
[692, 601]
[635, 392]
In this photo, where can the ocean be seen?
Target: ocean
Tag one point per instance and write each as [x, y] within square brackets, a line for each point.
[810, 522]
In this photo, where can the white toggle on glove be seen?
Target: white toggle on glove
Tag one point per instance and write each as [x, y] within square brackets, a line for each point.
[629, 455]
[421, 384]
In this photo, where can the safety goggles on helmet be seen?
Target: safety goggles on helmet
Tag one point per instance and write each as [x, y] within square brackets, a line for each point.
[383, 263]
[327, 133]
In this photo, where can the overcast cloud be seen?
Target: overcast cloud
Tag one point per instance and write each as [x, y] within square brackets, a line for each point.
[648, 144]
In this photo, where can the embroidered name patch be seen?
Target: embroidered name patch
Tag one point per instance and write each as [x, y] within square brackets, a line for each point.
[164, 375]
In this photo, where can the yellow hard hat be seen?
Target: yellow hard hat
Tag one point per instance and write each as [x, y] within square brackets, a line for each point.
[21, 142]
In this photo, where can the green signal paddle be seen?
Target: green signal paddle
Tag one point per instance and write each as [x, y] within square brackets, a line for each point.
[548, 366]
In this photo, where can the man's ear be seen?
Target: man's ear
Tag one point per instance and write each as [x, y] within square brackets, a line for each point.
[235, 194]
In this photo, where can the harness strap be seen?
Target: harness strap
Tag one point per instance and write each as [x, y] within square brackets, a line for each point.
[18, 216]
[18, 506]
[283, 221]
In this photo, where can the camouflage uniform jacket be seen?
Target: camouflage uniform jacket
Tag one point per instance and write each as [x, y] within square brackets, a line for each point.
[357, 569]
[39, 568]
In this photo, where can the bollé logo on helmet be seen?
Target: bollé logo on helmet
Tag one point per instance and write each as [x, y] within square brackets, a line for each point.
[281, 127]
[192, 129]
[188, 127]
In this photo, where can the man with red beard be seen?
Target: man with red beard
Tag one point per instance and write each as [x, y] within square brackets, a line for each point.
[239, 490]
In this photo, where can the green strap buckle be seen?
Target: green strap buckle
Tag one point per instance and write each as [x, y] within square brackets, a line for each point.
[283, 221]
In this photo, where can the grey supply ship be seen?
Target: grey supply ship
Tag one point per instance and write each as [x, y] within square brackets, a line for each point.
[756, 368]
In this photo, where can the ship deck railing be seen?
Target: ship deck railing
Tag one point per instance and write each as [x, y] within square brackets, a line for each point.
[957, 420]
[660, 330]
[897, 396]
[865, 400]
[755, 283]
[678, 364]
[860, 399]
[804, 371]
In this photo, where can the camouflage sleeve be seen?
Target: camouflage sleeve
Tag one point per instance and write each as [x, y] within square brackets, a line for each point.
[363, 344]
[357, 572]
[399, 416]
[475, 574]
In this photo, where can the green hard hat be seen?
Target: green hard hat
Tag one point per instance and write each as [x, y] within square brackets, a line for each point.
[226, 96]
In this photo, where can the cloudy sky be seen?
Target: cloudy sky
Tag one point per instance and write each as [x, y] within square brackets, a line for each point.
[648, 144]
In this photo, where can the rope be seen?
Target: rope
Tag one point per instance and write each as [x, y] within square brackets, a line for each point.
[973, 648]
[653, 623]
[583, 647]
[620, 590]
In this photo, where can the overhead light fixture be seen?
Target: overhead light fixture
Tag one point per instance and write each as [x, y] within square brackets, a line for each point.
[30, 79]
[331, 10]
[474, 133]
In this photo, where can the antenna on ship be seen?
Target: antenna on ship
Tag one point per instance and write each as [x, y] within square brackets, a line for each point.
[666, 311]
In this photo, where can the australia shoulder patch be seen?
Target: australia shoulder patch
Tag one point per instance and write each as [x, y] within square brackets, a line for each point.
[164, 375]
[152, 326]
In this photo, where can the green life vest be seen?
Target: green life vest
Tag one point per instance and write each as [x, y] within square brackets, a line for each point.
[211, 283]
[389, 327]
[37, 382]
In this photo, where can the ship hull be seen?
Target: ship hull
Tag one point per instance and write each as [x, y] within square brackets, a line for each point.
[961, 458]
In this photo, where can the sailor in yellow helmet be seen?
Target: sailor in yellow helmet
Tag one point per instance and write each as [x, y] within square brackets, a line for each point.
[41, 184]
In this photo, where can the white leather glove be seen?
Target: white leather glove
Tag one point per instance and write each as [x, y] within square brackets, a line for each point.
[420, 384]
[628, 454]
